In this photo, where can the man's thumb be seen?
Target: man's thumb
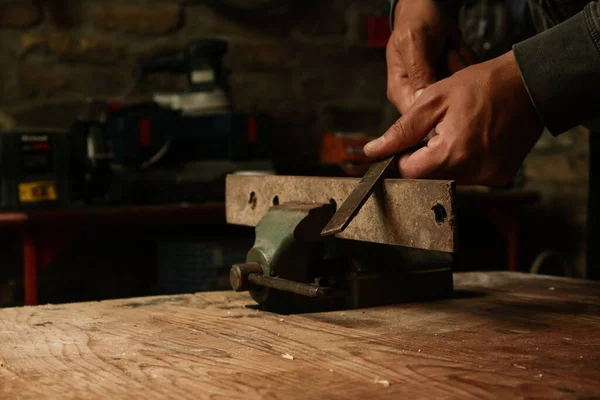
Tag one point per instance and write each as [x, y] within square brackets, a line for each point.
[406, 132]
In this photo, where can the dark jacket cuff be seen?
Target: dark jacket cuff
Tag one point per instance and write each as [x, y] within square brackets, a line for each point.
[561, 70]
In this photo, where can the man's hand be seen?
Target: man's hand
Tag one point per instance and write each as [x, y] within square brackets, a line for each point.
[424, 39]
[485, 125]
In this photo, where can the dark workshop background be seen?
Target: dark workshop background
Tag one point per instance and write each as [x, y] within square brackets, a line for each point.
[308, 66]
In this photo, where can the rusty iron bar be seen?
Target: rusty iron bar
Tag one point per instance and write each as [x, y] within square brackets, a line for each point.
[400, 212]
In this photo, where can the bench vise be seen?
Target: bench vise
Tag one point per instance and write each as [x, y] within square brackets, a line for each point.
[399, 247]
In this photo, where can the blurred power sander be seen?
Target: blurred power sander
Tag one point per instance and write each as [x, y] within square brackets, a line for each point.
[201, 62]
[180, 146]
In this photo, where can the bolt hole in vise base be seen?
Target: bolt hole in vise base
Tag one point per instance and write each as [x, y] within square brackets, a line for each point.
[397, 248]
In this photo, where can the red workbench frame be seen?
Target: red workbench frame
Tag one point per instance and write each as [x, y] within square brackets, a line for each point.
[40, 246]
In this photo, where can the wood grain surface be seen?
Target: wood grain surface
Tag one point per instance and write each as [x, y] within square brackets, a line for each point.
[504, 335]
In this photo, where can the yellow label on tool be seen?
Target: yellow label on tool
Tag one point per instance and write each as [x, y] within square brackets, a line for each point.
[31, 192]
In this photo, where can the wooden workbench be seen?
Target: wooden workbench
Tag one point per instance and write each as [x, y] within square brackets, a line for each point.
[505, 335]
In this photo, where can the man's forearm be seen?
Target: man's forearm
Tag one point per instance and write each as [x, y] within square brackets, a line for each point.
[561, 70]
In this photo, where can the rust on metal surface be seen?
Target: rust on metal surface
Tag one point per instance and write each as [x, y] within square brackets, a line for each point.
[411, 213]
[357, 197]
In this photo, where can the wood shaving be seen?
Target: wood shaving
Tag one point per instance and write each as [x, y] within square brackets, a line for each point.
[382, 382]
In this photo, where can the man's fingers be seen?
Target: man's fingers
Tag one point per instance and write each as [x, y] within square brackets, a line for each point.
[419, 67]
[426, 162]
[406, 132]
[399, 91]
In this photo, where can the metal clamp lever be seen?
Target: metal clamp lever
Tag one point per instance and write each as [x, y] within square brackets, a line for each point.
[242, 276]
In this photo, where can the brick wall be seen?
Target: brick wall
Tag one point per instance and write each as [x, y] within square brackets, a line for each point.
[303, 66]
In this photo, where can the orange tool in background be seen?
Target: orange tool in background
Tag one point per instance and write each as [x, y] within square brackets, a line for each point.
[345, 150]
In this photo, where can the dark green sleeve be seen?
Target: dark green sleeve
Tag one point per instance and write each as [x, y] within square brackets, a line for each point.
[561, 70]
